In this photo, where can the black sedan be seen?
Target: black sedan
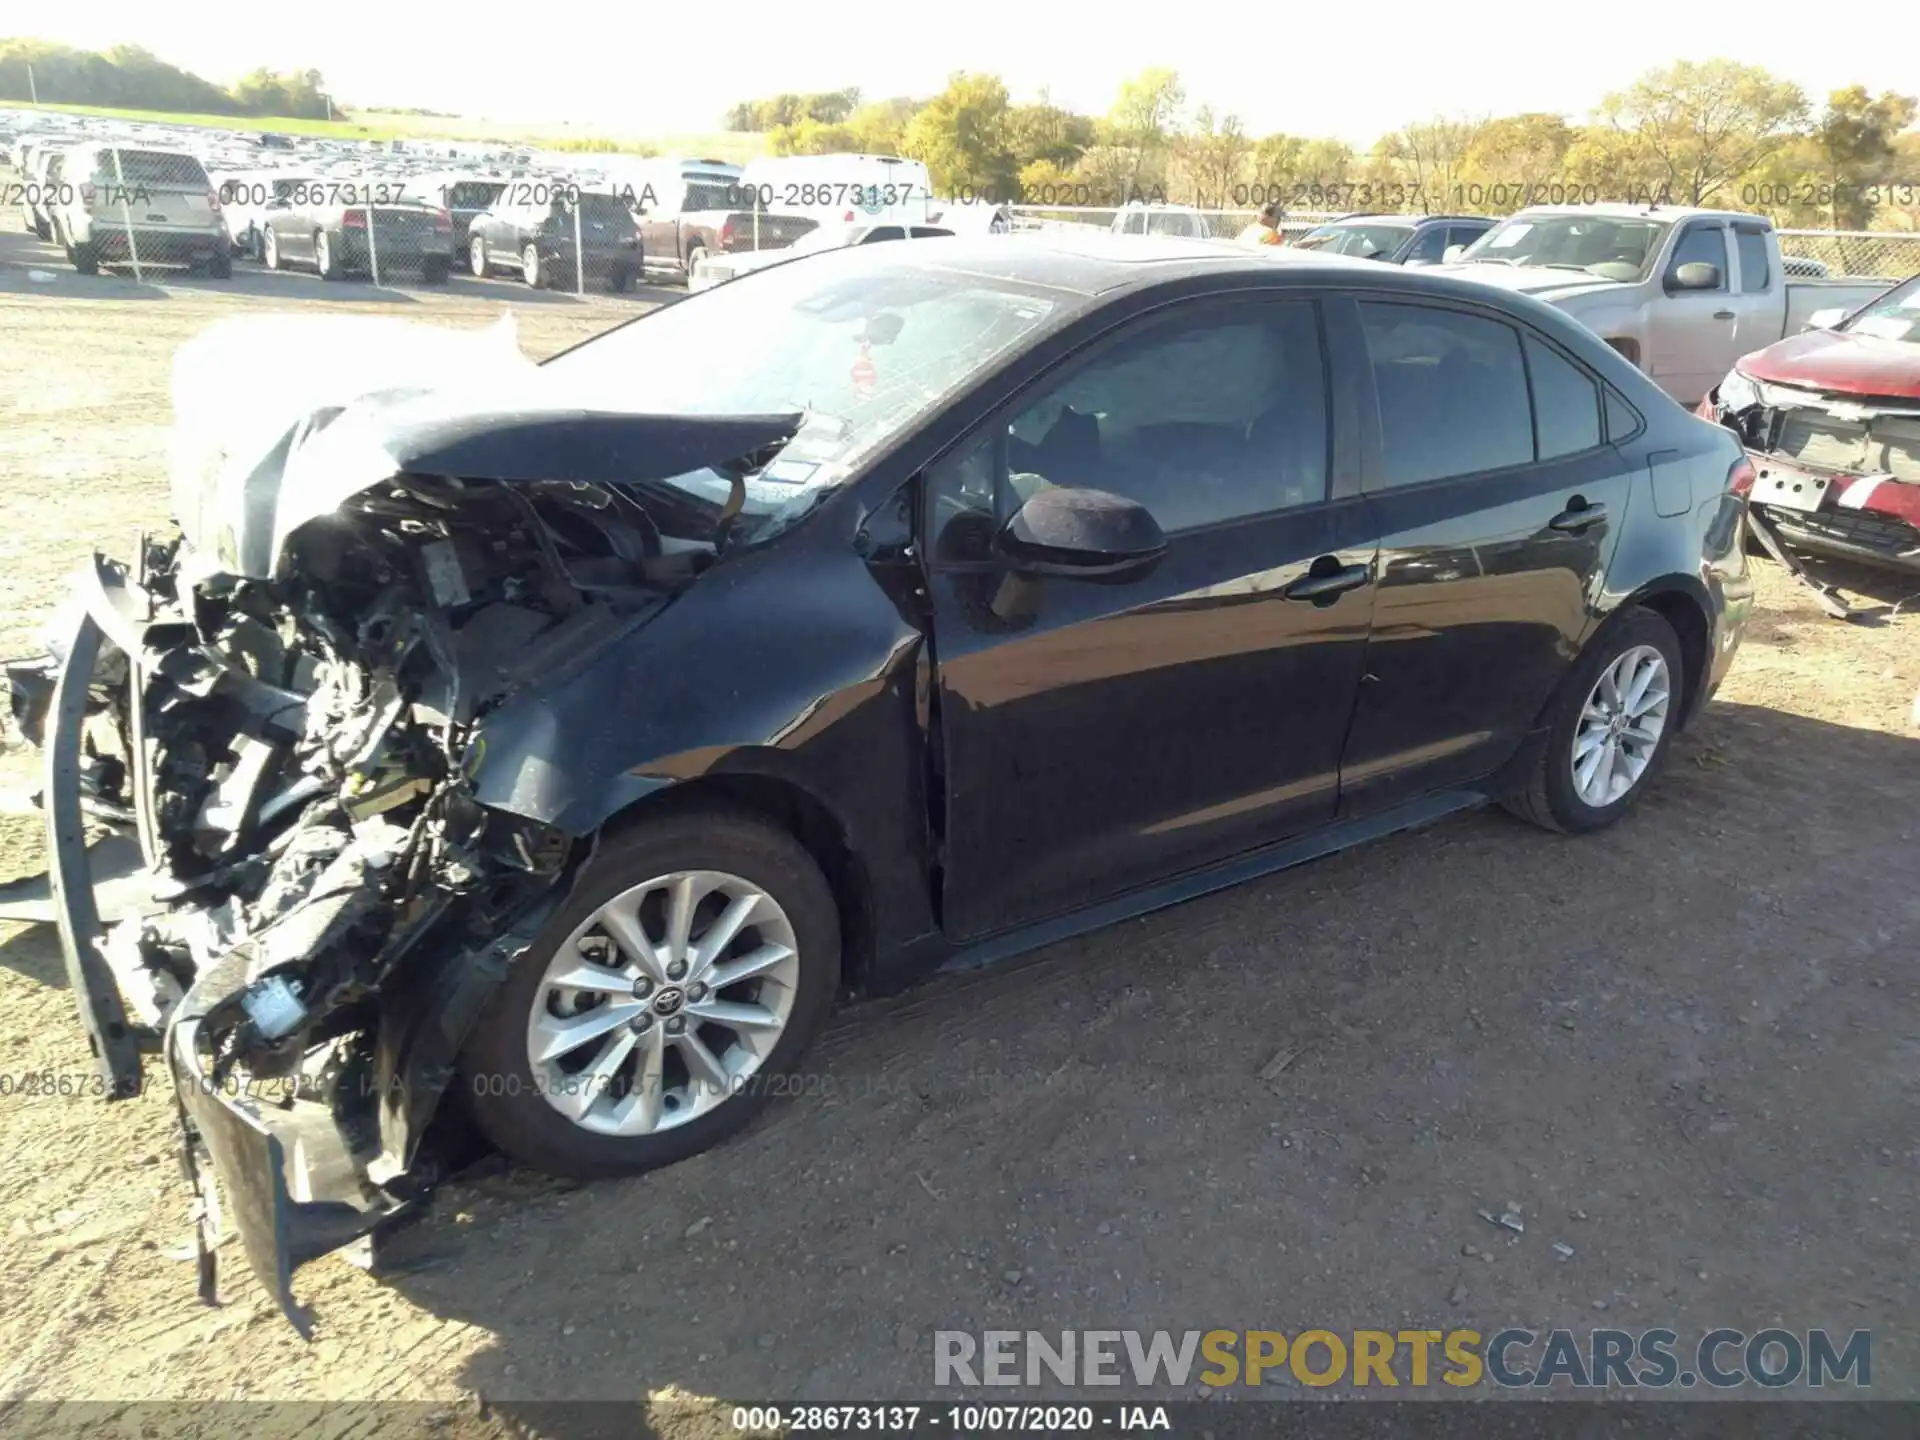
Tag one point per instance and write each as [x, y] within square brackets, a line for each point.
[916, 605]
[551, 238]
[342, 230]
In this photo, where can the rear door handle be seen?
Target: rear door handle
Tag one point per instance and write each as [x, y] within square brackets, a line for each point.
[1327, 580]
[1723, 314]
[1578, 517]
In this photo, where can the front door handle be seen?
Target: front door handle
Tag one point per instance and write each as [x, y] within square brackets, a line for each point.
[1327, 580]
[1723, 314]
[1578, 516]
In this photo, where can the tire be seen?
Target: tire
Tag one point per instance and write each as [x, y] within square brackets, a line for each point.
[323, 257]
[269, 248]
[41, 228]
[220, 267]
[509, 1103]
[620, 281]
[477, 257]
[433, 271]
[695, 254]
[85, 259]
[1548, 792]
[530, 269]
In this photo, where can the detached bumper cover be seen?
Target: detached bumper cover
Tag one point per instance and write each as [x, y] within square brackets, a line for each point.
[252, 1148]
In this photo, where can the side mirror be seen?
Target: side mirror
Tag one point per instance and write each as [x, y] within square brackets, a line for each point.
[1826, 319]
[1080, 534]
[1453, 253]
[1695, 275]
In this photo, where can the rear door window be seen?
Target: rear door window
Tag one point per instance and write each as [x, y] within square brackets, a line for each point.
[1452, 389]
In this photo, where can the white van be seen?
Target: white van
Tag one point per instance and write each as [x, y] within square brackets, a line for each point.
[845, 188]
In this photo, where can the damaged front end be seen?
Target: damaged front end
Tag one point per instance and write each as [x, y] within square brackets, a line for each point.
[283, 719]
[1836, 473]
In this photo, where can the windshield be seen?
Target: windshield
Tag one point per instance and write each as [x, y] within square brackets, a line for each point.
[1365, 241]
[1616, 248]
[1894, 316]
[862, 341]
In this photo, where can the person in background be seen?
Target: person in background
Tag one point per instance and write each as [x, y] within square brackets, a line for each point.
[1265, 229]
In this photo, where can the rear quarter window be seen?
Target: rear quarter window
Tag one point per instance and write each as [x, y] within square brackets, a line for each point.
[155, 169]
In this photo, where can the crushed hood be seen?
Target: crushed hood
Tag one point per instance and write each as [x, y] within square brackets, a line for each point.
[260, 450]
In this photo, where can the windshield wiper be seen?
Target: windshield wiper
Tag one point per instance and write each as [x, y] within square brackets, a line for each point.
[1486, 260]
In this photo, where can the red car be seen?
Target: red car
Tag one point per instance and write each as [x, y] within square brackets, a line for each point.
[1831, 418]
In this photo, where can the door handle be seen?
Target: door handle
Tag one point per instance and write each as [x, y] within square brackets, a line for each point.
[1327, 580]
[1578, 516]
[1723, 314]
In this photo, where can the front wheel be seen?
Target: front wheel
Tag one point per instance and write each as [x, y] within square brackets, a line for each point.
[324, 259]
[85, 258]
[477, 258]
[270, 249]
[1610, 728]
[530, 267]
[674, 992]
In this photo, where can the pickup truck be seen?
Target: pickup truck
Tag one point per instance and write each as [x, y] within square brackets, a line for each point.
[690, 218]
[1680, 292]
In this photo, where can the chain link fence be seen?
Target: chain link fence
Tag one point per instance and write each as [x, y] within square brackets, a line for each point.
[160, 199]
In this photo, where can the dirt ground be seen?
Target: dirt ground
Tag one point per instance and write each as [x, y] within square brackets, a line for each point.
[1689, 1048]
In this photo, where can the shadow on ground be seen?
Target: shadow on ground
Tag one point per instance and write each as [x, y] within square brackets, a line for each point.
[1683, 1046]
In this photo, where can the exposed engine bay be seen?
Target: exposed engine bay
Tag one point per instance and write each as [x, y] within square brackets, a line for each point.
[285, 706]
[302, 741]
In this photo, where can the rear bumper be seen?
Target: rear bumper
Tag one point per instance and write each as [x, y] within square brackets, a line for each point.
[157, 246]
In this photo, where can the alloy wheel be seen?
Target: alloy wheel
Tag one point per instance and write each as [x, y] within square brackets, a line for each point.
[1620, 726]
[663, 1003]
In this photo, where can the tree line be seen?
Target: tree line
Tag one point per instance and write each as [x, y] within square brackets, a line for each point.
[1710, 132]
[133, 78]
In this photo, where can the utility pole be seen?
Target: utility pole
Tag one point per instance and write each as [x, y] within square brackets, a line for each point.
[32, 89]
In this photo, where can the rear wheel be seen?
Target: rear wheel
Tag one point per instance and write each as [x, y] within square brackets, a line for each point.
[1610, 729]
[324, 260]
[695, 254]
[269, 249]
[433, 271]
[85, 259]
[477, 258]
[220, 267]
[530, 267]
[679, 984]
[42, 228]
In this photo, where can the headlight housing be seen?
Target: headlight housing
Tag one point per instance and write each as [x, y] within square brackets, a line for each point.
[1737, 392]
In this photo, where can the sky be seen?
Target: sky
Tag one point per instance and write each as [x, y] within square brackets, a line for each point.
[1344, 70]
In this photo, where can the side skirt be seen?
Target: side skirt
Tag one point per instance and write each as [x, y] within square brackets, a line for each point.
[935, 954]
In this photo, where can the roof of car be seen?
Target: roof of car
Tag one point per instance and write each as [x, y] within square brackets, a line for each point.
[1094, 262]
